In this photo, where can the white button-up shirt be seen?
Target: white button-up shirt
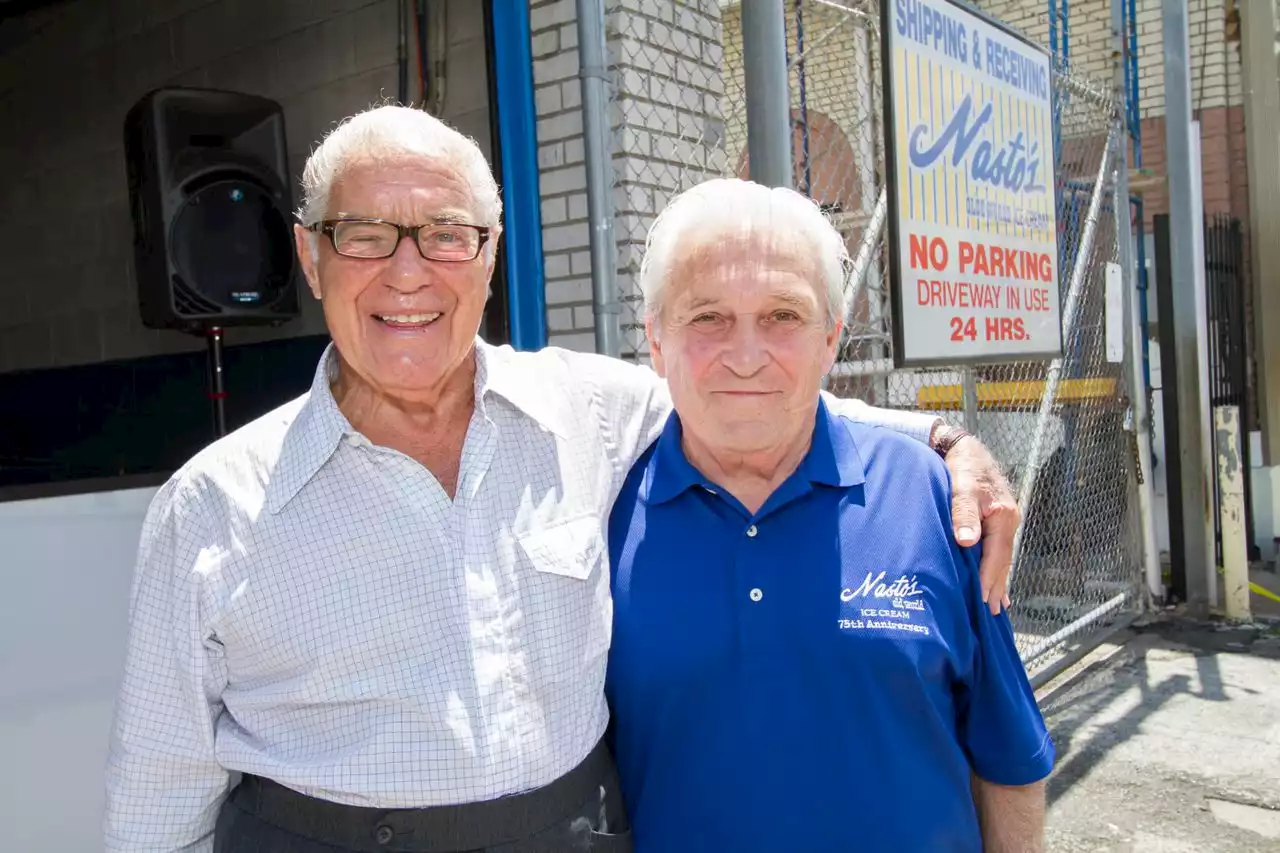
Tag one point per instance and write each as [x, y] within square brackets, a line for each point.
[313, 608]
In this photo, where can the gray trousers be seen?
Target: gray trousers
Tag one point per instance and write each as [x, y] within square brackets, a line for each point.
[582, 812]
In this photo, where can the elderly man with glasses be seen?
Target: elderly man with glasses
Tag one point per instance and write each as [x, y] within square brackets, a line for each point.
[385, 606]
[801, 658]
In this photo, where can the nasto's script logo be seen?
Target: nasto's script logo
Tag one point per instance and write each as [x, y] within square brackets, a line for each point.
[884, 604]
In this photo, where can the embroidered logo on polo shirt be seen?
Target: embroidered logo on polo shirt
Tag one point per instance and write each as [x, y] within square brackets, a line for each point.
[888, 606]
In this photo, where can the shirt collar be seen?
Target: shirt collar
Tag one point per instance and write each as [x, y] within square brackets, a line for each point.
[832, 460]
[311, 438]
[320, 424]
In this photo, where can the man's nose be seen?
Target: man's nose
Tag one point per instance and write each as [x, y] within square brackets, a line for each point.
[407, 271]
[745, 353]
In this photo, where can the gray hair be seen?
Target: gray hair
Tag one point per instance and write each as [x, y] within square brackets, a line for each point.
[729, 207]
[392, 132]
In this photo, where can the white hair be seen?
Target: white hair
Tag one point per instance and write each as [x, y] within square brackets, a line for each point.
[389, 133]
[732, 208]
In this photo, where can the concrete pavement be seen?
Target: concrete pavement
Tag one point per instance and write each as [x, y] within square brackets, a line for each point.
[1168, 741]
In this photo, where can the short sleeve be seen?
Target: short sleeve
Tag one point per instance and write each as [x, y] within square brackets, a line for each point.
[1000, 724]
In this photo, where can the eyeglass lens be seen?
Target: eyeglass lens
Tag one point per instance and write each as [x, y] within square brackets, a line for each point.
[379, 239]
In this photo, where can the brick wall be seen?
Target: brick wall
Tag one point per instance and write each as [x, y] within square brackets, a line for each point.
[566, 238]
[1215, 55]
[1224, 170]
[69, 73]
[668, 119]
[1086, 32]
[667, 135]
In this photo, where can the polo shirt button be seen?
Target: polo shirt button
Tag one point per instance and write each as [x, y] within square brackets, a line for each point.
[751, 531]
[757, 594]
[384, 835]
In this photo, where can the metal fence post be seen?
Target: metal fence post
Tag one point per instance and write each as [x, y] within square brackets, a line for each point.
[1135, 335]
[598, 153]
[1054, 374]
[1197, 499]
[764, 50]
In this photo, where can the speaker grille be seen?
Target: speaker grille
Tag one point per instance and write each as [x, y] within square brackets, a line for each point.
[232, 245]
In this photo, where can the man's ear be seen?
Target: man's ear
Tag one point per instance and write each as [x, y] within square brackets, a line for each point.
[491, 251]
[655, 345]
[833, 346]
[302, 241]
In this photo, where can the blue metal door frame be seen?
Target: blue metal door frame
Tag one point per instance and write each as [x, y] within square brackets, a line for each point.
[517, 122]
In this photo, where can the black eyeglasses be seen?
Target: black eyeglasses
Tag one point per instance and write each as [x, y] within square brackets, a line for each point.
[377, 238]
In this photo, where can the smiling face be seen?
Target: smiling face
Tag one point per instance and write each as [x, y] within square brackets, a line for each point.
[403, 325]
[743, 339]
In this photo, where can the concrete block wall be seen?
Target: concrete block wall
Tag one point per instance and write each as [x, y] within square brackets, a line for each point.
[68, 75]
[668, 120]
[1215, 55]
[1216, 102]
[1088, 30]
[566, 237]
[667, 135]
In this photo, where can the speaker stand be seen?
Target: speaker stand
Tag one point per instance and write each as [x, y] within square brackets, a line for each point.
[217, 381]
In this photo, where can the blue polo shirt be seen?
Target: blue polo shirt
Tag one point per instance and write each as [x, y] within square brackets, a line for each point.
[818, 676]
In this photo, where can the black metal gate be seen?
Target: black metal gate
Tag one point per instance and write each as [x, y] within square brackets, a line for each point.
[1225, 291]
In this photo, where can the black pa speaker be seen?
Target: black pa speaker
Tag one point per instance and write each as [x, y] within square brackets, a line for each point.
[209, 193]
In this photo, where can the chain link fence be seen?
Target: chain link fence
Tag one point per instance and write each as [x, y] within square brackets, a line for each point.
[678, 116]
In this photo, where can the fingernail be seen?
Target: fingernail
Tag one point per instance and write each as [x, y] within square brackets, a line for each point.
[966, 533]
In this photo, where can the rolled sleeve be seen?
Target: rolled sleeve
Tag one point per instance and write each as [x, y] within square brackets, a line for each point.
[1001, 727]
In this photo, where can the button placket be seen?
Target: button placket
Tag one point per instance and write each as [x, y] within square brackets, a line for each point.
[754, 619]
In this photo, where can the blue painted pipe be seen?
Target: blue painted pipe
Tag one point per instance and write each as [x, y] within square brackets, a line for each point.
[521, 199]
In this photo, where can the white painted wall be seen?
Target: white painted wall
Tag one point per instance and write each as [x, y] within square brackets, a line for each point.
[66, 565]
[1265, 482]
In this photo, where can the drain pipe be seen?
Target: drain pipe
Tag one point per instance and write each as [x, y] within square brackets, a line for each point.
[598, 150]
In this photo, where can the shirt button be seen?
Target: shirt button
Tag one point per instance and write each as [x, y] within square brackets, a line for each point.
[757, 594]
[751, 531]
[384, 835]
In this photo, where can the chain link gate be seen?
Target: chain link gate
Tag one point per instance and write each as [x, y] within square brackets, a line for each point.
[678, 117]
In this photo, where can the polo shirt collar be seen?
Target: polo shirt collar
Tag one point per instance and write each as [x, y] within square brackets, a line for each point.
[669, 473]
[833, 457]
[832, 460]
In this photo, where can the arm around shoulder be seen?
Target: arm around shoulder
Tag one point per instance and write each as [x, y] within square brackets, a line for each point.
[164, 784]
[632, 402]
[918, 426]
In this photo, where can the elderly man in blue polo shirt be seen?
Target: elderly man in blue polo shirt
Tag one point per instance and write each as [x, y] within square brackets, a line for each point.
[801, 658]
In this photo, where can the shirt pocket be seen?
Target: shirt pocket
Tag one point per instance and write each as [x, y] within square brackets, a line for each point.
[571, 548]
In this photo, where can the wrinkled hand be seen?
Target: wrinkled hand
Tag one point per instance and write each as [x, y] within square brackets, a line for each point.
[983, 506]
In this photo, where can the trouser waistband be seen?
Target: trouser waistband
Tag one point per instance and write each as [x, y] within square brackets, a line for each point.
[434, 829]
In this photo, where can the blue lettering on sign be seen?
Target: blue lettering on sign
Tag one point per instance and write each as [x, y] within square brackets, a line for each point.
[930, 27]
[1013, 167]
